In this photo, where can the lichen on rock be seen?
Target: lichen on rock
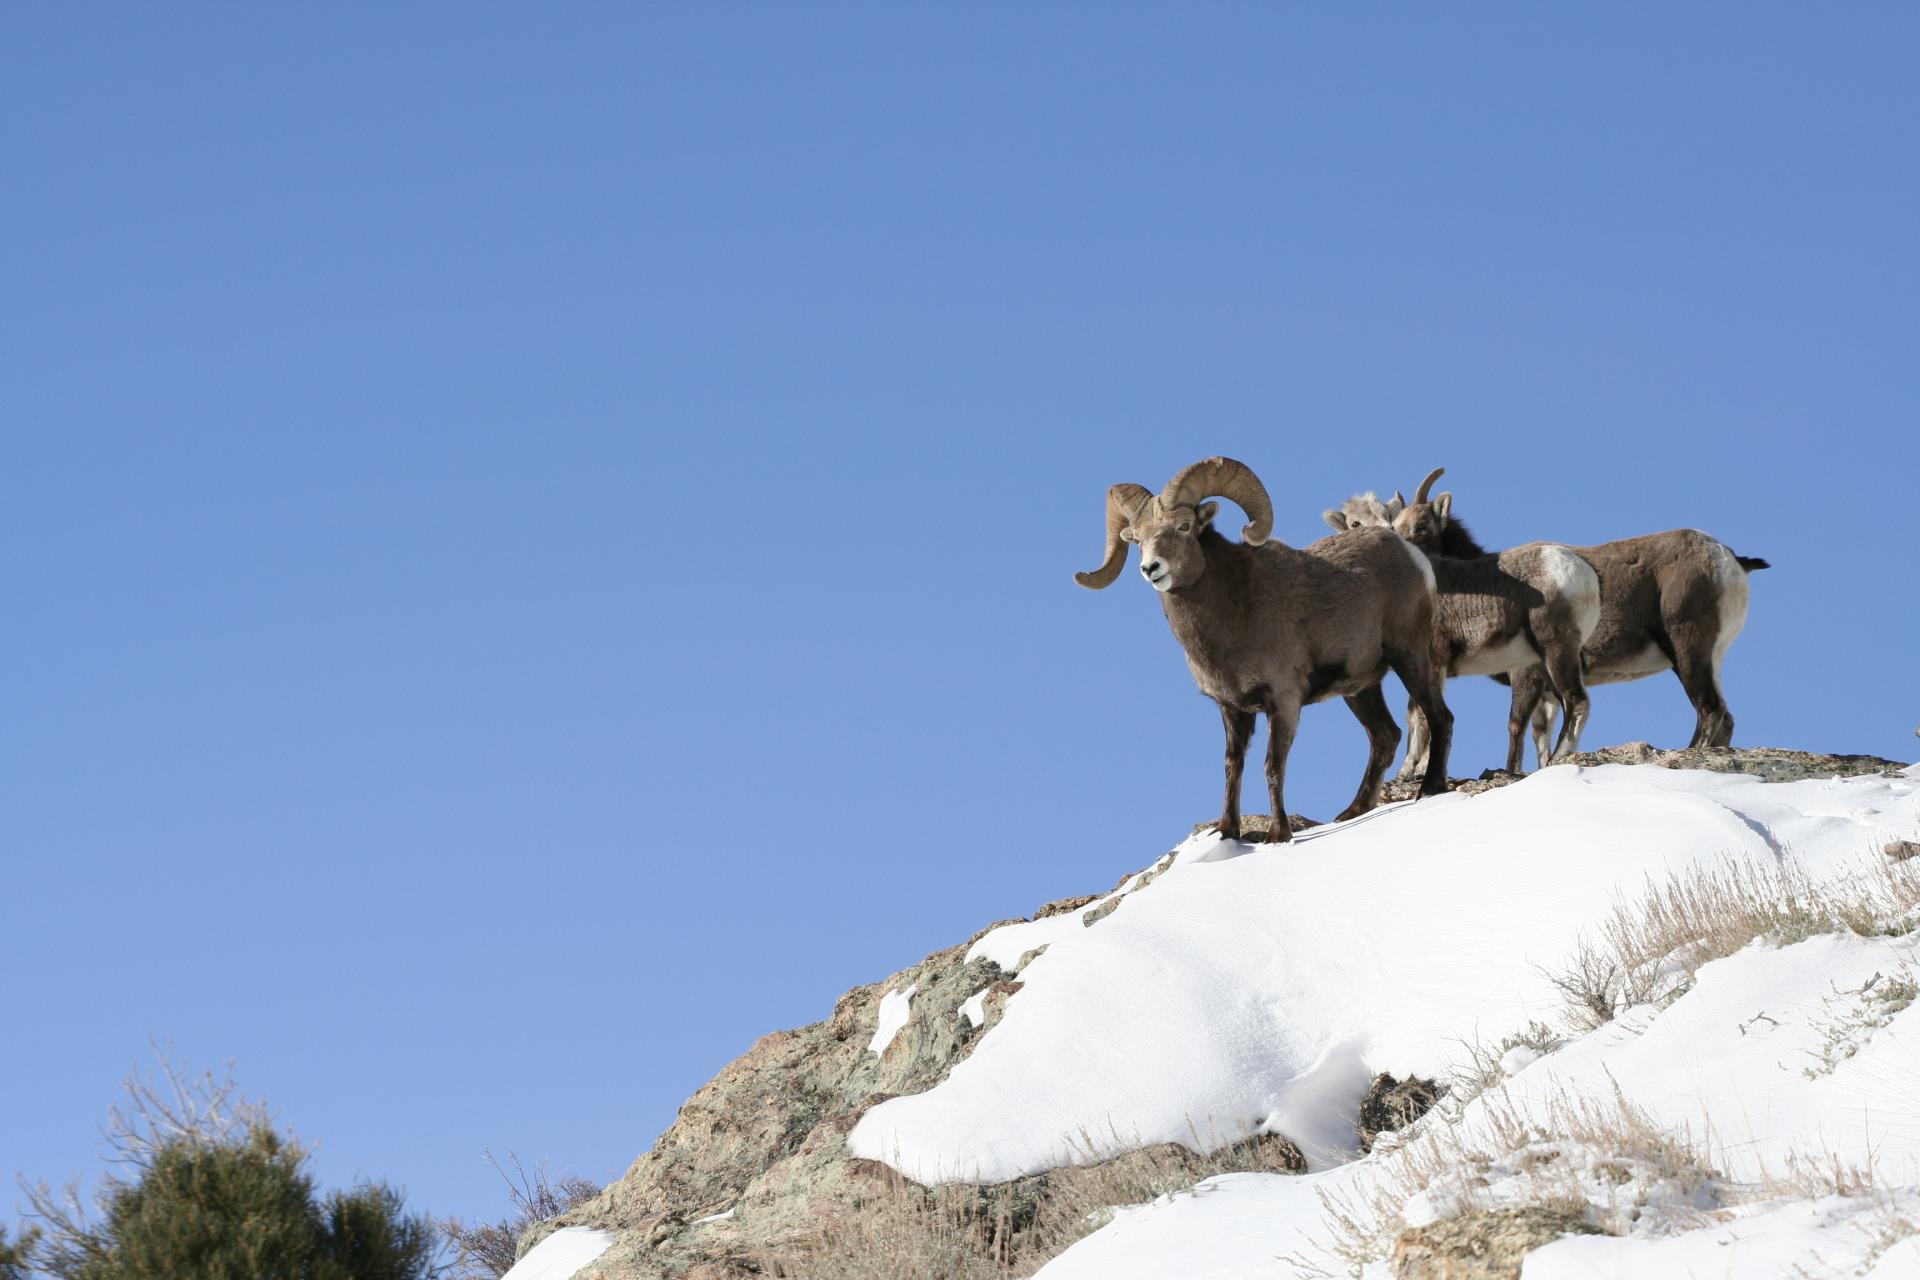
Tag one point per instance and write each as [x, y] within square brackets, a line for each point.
[1392, 1104]
[1489, 1244]
[766, 1137]
[1769, 764]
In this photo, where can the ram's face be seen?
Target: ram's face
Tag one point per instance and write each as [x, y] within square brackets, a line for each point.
[1423, 523]
[1169, 540]
[1364, 511]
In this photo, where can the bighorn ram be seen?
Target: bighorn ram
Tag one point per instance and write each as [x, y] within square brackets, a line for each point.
[1531, 607]
[1269, 628]
[1672, 600]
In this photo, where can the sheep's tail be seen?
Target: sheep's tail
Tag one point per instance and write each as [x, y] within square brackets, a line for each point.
[1752, 563]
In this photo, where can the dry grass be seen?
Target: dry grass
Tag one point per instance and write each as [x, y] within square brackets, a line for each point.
[1850, 1017]
[1607, 1160]
[1604, 1166]
[1649, 948]
[995, 1232]
[1611, 1160]
[1483, 1065]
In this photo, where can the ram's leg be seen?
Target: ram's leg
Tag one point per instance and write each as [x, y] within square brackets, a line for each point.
[1542, 726]
[1426, 681]
[1416, 760]
[1239, 726]
[1370, 708]
[1529, 685]
[1570, 688]
[1283, 719]
[1693, 646]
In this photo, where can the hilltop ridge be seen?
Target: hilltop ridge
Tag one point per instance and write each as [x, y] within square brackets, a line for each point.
[1231, 1006]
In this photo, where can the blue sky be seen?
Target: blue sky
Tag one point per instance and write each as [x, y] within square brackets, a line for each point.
[539, 545]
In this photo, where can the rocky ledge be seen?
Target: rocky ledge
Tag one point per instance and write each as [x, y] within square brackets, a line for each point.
[1769, 764]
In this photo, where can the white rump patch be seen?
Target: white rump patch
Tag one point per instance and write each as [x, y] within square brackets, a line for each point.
[896, 1009]
[1574, 581]
[1426, 567]
[1730, 581]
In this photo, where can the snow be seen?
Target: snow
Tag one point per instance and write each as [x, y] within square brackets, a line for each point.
[561, 1254]
[1711, 1064]
[896, 1008]
[1830, 1236]
[974, 1007]
[1227, 1228]
[1005, 945]
[1747, 1095]
[1259, 988]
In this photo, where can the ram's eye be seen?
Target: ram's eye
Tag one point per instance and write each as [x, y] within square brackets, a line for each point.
[1354, 525]
[1186, 526]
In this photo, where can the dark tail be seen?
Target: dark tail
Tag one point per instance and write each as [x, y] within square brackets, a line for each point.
[1752, 563]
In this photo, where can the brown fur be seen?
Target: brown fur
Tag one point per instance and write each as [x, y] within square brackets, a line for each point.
[1517, 608]
[1270, 628]
[1658, 592]
[1661, 608]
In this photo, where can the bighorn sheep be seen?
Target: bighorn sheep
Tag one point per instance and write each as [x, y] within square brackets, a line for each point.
[1364, 510]
[1269, 628]
[1530, 607]
[1668, 601]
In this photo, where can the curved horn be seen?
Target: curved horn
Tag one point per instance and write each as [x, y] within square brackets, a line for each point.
[1420, 494]
[1123, 503]
[1232, 480]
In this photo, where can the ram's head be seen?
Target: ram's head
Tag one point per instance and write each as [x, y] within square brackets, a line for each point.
[1167, 525]
[1364, 511]
[1424, 523]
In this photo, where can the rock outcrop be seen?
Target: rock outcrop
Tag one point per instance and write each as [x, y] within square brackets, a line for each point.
[1488, 1245]
[759, 1154]
[1392, 1104]
[1769, 764]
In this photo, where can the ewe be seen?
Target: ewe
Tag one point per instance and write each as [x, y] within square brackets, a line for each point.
[1668, 601]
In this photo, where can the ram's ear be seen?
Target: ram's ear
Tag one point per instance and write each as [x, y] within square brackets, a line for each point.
[1204, 513]
[1443, 504]
[1128, 535]
[1333, 516]
[1396, 505]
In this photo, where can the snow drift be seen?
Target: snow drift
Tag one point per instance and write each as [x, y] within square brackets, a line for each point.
[1259, 988]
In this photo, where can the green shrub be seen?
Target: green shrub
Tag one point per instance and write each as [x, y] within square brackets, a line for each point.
[214, 1192]
[249, 1211]
[15, 1256]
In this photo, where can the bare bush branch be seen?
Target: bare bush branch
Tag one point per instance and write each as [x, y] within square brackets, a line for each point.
[487, 1250]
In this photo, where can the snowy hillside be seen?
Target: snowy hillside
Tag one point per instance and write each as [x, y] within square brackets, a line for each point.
[1672, 1012]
